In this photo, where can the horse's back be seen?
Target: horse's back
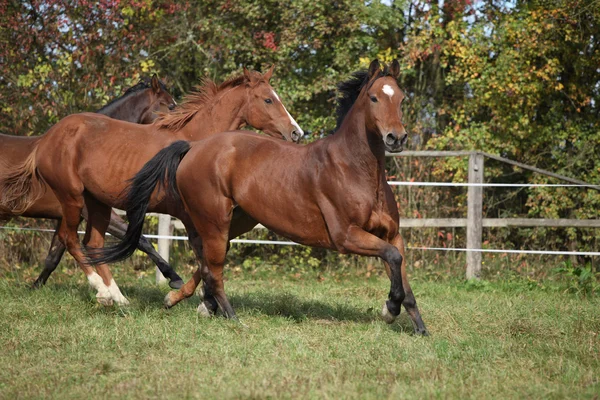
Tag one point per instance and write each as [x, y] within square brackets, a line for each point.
[266, 177]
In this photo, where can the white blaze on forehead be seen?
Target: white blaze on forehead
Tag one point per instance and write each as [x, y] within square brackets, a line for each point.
[292, 120]
[387, 89]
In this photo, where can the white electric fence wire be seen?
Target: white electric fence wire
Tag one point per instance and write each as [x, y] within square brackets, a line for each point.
[288, 243]
[458, 184]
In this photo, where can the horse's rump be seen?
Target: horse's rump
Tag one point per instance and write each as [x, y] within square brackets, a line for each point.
[21, 186]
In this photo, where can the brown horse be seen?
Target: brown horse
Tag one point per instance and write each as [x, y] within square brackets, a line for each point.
[139, 104]
[331, 193]
[88, 159]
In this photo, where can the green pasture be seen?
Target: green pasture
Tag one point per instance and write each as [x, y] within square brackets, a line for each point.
[308, 335]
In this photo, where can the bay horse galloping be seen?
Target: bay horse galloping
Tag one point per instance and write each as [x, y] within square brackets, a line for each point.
[139, 104]
[88, 159]
[331, 193]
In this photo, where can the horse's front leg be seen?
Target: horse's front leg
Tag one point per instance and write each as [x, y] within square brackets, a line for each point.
[363, 243]
[57, 249]
[409, 303]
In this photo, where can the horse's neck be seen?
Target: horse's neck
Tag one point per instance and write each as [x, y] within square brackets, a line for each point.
[362, 149]
[128, 108]
[225, 115]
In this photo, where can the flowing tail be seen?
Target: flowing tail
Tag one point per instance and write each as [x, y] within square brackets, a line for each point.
[21, 186]
[161, 172]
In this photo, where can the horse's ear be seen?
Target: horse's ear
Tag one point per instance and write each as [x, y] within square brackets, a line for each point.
[267, 76]
[247, 75]
[155, 83]
[395, 69]
[250, 77]
[374, 68]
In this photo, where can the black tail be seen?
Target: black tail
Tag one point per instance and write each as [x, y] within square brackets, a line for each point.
[160, 171]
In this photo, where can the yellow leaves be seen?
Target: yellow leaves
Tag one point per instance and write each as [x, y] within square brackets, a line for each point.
[559, 86]
[127, 11]
[147, 65]
[65, 63]
[386, 56]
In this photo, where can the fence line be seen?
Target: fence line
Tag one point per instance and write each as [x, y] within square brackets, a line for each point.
[289, 243]
[465, 184]
[474, 222]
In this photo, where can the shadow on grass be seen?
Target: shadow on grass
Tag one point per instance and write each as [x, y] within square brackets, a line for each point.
[280, 305]
[299, 310]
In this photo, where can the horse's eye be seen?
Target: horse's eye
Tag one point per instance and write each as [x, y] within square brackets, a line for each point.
[374, 99]
[268, 101]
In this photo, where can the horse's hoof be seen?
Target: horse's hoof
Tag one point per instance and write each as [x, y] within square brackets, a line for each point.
[176, 284]
[122, 301]
[386, 315]
[203, 311]
[421, 332]
[105, 301]
[168, 301]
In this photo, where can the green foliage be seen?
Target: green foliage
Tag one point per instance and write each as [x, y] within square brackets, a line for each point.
[581, 279]
[519, 79]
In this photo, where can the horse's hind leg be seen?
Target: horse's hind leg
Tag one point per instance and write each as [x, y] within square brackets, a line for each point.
[213, 227]
[409, 303]
[118, 227]
[97, 223]
[208, 305]
[57, 249]
[72, 207]
[215, 250]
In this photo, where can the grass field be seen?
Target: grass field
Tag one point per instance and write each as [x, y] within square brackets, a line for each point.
[307, 336]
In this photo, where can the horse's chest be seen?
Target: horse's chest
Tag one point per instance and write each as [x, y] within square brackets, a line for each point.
[379, 222]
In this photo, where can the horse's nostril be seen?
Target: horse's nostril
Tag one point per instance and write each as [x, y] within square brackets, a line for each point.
[296, 136]
[171, 106]
[390, 138]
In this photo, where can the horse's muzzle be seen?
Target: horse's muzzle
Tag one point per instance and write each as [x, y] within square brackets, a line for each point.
[393, 143]
[296, 136]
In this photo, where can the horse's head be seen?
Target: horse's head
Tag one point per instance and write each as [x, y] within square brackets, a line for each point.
[382, 99]
[160, 100]
[264, 109]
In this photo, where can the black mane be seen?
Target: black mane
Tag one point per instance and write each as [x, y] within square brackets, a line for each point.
[349, 91]
[144, 83]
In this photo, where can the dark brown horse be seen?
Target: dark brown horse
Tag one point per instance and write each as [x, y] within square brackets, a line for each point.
[139, 104]
[87, 159]
[331, 193]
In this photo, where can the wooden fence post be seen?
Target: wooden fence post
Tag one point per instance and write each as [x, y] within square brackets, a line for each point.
[474, 216]
[165, 228]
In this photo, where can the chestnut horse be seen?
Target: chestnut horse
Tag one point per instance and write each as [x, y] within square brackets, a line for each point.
[114, 151]
[331, 193]
[139, 104]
